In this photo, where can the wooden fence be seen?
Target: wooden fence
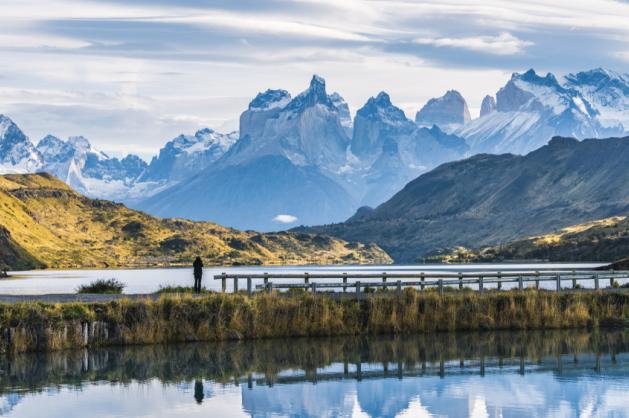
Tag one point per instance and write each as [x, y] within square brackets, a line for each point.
[359, 282]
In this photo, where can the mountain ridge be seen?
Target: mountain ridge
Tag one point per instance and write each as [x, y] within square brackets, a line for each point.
[486, 199]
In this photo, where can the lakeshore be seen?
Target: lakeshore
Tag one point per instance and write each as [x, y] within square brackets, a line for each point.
[40, 326]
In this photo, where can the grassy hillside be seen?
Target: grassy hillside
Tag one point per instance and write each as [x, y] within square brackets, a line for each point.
[604, 240]
[45, 223]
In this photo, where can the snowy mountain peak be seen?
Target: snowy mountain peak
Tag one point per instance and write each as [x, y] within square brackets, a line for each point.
[17, 152]
[448, 111]
[270, 99]
[607, 91]
[54, 149]
[313, 95]
[80, 143]
[381, 109]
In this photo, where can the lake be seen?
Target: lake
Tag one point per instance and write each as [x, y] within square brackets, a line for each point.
[149, 280]
[496, 374]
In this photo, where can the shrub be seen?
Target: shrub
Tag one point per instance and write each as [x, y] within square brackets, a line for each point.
[103, 286]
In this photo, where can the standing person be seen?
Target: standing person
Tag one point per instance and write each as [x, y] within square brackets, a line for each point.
[198, 274]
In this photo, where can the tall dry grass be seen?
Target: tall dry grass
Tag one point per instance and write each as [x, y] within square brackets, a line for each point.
[215, 317]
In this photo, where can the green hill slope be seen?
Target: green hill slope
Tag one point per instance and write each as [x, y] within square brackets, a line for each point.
[45, 223]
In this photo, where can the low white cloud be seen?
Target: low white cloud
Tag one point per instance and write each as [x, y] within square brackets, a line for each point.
[502, 44]
[285, 219]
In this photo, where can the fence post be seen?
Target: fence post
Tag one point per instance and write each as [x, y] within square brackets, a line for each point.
[269, 287]
[596, 281]
[358, 289]
[499, 280]
[384, 279]
[611, 279]
[440, 287]
[520, 283]
[249, 290]
[399, 287]
[537, 281]
[480, 284]
[306, 278]
[460, 281]
[314, 287]
[422, 278]
[558, 279]
[344, 282]
[235, 284]
[266, 278]
[224, 282]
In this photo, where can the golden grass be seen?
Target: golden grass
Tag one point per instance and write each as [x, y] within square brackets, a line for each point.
[215, 317]
[63, 229]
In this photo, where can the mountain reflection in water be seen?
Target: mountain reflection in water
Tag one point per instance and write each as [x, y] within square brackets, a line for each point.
[568, 373]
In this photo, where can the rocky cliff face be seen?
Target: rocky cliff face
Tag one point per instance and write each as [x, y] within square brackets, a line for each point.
[488, 105]
[447, 112]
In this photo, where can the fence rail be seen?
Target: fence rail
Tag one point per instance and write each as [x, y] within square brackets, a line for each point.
[422, 280]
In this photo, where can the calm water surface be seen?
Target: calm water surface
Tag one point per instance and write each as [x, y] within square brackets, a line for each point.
[535, 374]
[149, 280]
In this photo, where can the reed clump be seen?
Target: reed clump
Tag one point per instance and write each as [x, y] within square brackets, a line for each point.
[217, 317]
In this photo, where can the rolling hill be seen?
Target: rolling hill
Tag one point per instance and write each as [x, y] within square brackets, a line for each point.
[44, 223]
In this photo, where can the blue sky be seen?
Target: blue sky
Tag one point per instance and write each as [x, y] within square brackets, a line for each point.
[130, 75]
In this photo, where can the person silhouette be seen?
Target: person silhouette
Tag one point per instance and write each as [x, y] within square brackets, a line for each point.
[198, 274]
[198, 391]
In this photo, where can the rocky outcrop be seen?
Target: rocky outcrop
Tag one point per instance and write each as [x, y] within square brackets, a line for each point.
[488, 105]
[447, 111]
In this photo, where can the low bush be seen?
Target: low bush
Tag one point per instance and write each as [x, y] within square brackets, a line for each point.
[103, 286]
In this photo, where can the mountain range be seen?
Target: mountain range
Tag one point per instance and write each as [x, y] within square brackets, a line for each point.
[304, 160]
[487, 199]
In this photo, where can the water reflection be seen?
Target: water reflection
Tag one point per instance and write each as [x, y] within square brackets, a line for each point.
[566, 373]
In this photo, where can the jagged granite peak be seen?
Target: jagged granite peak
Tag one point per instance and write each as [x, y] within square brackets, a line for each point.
[488, 105]
[447, 111]
[341, 105]
[313, 95]
[270, 99]
[376, 122]
[17, 152]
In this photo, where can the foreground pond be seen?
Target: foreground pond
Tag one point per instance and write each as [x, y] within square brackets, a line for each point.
[149, 280]
[560, 373]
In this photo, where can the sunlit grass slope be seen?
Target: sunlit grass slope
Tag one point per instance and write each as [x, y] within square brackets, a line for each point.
[48, 224]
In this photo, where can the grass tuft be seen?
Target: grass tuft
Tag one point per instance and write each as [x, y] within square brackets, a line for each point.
[103, 286]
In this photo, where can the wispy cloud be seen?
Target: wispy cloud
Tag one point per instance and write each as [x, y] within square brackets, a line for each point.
[502, 44]
[83, 66]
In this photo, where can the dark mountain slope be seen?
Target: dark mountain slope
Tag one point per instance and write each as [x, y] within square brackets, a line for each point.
[489, 199]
